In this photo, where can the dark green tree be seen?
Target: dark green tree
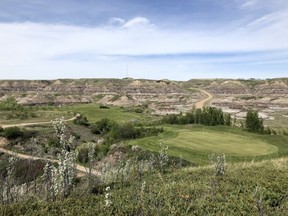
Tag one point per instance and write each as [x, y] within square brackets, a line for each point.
[253, 122]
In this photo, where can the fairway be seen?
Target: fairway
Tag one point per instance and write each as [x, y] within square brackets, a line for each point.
[195, 143]
[94, 113]
[220, 142]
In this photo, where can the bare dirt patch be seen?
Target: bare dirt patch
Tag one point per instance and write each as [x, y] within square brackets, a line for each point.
[3, 141]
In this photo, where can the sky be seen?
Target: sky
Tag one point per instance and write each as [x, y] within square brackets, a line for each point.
[151, 39]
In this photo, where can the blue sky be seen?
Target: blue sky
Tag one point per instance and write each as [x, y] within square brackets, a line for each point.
[173, 39]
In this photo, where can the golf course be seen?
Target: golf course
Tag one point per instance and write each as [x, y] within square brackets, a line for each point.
[194, 143]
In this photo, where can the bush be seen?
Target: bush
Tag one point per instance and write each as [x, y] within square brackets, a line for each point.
[103, 107]
[53, 142]
[103, 126]
[81, 120]
[126, 131]
[138, 110]
[82, 151]
[13, 133]
[129, 131]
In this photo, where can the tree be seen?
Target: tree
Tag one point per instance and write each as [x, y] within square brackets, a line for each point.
[253, 122]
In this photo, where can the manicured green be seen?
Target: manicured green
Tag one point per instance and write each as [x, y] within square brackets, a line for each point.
[195, 143]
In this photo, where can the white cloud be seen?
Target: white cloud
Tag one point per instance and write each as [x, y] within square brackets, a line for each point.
[248, 4]
[32, 48]
[138, 21]
[116, 21]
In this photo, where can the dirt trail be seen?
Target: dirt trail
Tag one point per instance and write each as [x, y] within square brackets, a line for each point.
[30, 157]
[201, 104]
[4, 142]
[33, 123]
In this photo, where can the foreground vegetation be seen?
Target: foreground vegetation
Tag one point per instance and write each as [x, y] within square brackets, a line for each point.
[245, 189]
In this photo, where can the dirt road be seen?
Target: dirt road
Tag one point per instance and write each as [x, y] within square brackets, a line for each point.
[201, 104]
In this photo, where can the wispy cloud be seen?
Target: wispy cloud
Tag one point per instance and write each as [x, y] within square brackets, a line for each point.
[152, 50]
[248, 4]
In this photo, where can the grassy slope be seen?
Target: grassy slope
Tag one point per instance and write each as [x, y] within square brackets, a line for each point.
[91, 111]
[195, 143]
[94, 113]
[245, 189]
[41, 116]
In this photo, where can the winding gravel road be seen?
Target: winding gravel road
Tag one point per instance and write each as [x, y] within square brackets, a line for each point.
[201, 104]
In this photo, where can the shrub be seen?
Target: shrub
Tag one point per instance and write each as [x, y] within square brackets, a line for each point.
[138, 110]
[103, 126]
[219, 163]
[82, 151]
[103, 107]
[81, 120]
[126, 131]
[13, 133]
[53, 142]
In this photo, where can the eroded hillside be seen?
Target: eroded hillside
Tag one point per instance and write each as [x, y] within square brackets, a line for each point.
[162, 96]
[236, 96]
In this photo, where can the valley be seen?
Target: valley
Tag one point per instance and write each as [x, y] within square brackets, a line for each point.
[116, 132]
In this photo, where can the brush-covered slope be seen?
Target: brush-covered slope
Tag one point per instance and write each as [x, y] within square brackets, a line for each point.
[245, 189]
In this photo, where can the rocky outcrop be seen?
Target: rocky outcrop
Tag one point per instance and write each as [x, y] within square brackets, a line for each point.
[85, 90]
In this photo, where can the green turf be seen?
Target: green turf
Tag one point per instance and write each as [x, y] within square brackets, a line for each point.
[94, 113]
[221, 142]
[196, 142]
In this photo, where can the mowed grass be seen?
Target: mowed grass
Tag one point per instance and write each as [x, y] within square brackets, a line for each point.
[195, 143]
[228, 143]
[94, 113]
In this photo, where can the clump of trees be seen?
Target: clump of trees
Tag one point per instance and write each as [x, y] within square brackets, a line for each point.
[253, 122]
[10, 104]
[18, 110]
[116, 132]
[210, 116]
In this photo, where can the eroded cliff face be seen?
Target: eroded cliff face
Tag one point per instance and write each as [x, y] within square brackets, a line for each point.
[242, 94]
[164, 95]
